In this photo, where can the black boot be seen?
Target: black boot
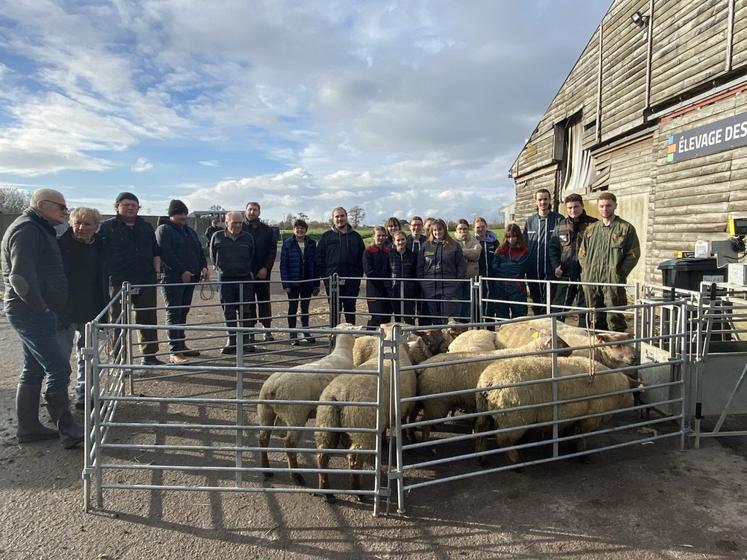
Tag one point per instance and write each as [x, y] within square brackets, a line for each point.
[58, 405]
[27, 412]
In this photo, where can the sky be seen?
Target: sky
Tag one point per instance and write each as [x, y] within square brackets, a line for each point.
[400, 108]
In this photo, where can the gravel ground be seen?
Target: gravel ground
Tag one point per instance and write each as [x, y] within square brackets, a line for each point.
[645, 501]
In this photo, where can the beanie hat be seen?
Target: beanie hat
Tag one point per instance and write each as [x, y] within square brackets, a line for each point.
[126, 196]
[177, 207]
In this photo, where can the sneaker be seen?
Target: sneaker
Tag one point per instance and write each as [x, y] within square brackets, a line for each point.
[268, 337]
[295, 342]
[249, 348]
[310, 340]
[153, 361]
[188, 352]
[228, 350]
[178, 359]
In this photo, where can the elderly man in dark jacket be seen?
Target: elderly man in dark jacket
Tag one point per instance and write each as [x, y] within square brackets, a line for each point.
[131, 255]
[232, 252]
[340, 251]
[265, 251]
[183, 264]
[35, 291]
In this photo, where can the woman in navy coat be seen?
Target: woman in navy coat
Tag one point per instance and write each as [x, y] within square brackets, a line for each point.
[299, 277]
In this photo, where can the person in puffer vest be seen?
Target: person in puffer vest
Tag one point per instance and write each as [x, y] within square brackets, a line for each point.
[299, 277]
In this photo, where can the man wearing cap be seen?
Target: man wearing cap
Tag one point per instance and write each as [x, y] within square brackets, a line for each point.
[183, 264]
[131, 255]
[35, 291]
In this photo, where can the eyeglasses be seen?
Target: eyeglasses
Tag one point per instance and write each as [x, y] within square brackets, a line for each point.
[62, 207]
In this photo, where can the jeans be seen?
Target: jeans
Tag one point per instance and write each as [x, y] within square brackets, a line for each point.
[42, 355]
[75, 333]
[236, 298]
[178, 299]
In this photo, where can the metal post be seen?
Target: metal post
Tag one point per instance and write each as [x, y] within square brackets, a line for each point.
[555, 407]
[479, 315]
[380, 392]
[93, 406]
[684, 371]
[239, 338]
[394, 381]
[334, 300]
[87, 354]
[126, 307]
[548, 297]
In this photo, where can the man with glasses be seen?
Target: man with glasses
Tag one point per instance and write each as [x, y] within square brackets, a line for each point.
[35, 292]
[131, 255]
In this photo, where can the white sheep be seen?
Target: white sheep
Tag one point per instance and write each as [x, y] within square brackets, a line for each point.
[287, 386]
[357, 388]
[533, 368]
[366, 348]
[461, 377]
[620, 354]
[475, 340]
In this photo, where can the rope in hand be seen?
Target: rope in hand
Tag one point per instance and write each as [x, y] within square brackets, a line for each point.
[207, 291]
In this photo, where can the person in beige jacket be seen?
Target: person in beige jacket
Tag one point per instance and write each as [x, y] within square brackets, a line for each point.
[471, 249]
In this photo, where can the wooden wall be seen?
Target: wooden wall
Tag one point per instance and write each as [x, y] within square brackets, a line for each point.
[693, 198]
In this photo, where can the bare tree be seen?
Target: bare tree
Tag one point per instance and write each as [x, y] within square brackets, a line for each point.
[356, 215]
[13, 200]
[217, 208]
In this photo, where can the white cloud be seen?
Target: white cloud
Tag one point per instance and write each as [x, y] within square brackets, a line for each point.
[142, 164]
[391, 106]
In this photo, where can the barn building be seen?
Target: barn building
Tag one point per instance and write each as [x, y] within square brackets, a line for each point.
[654, 110]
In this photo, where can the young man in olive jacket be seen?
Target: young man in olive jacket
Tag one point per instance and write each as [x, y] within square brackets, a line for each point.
[608, 253]
[35, 292]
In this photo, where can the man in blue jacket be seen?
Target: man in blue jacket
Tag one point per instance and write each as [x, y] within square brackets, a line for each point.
[489, 243]
[35, 292]
[183, 264]
[537, 232]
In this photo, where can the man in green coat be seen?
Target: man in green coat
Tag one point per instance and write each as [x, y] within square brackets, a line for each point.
[608, 253]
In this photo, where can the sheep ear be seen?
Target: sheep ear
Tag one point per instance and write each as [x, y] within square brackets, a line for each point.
[602, 338]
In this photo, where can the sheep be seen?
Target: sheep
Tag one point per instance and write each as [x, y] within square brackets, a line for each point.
[459, 377]
[533, 368]
[367, 347]
[357, 388]
[613, 356]
[286, 386]
[474, 341]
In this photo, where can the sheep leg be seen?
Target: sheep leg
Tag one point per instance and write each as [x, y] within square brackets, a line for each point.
[266, 417]
[355, 478]
[481, 425]
[290, 442]
[322, 460]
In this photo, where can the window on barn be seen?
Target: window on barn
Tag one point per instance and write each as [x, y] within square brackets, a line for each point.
[575, 163]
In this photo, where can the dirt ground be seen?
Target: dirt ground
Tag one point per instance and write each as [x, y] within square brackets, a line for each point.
[649, 501]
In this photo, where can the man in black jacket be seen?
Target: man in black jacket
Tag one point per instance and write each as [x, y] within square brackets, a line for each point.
[340, 251]
[131, 255]
[265, 250]
[232, 253]
[35, 291]
[183, 264]
[563, 253]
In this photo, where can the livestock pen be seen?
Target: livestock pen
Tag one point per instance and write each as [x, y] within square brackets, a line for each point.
[195, 426]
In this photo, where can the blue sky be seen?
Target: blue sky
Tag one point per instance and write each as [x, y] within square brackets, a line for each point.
[397, 107]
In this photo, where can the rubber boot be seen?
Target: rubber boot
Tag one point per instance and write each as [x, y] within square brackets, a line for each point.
[58, 405]
[27, 412]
